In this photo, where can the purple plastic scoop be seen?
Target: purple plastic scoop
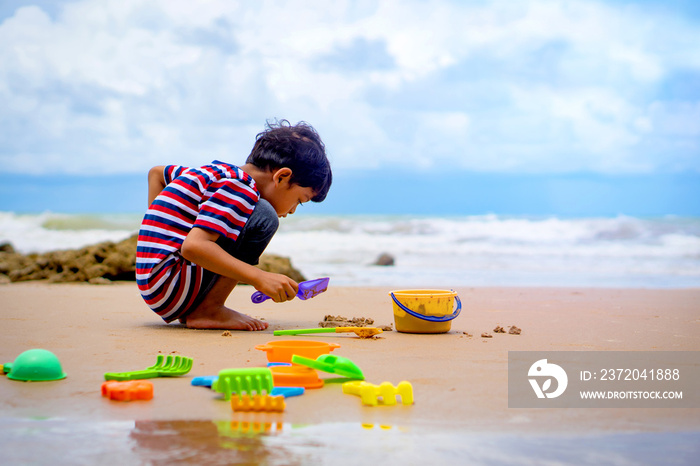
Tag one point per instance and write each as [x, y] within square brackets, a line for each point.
[307, 290]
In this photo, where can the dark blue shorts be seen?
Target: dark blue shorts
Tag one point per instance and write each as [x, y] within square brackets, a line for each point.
[248, 247]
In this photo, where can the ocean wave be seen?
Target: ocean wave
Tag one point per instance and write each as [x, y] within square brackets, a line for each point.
[493, 227]
[493, 250]
[48, 231]
[112, 222]
[487, 249]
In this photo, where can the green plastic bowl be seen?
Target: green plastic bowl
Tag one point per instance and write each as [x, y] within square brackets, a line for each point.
[35, 365]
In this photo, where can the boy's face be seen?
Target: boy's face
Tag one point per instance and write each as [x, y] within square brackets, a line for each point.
[285, 197]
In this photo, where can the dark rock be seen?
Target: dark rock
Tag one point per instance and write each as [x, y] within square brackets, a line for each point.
[6, 247]
[384, 259]
[279, 264]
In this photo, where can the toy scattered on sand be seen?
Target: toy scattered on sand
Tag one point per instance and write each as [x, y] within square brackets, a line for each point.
[384, 393]
[258, 403]
[293, 369]
[287, 391]
[203, 381]
[208, 381]
[295, 376]
[128, 390]
[170, 366]
[332, 364]
[425, 311]
[247, 381]
[362, 332]
[283, 350]
[34, 365]
[307, 290]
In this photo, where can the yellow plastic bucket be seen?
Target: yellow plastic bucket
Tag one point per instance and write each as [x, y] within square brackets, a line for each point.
[425, 311]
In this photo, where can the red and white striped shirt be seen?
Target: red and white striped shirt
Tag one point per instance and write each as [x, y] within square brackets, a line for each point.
[219, 197]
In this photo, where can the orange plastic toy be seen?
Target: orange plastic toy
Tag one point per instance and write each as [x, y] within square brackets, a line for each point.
[283, 350]
[295, 376]
[258, 403]
[129, 390]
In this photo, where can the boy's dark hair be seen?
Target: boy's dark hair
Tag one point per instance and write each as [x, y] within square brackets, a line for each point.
[298, 147]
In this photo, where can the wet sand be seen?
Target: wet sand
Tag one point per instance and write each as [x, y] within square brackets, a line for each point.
[460, 382]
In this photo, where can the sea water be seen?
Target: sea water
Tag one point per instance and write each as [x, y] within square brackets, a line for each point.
[445, 252]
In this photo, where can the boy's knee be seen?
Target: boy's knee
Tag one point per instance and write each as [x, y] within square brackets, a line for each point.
[256, 235]
[264, 217]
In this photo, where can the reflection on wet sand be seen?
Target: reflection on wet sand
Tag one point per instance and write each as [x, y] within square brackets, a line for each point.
[249, 438]
[258, 438]
[206, 442]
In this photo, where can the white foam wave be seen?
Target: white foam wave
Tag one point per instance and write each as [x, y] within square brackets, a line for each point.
[48, 231]
[447, 252]
[620, 251]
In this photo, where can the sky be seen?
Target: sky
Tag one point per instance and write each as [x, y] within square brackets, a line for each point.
[535, 101]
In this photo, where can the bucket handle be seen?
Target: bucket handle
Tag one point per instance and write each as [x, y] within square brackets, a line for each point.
[430, 318]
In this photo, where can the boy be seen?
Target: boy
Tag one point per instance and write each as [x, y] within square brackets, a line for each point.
[206, 227]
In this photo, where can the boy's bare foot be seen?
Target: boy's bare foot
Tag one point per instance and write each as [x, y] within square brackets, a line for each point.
[221, 317]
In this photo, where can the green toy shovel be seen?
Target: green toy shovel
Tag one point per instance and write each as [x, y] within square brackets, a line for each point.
[332, 364]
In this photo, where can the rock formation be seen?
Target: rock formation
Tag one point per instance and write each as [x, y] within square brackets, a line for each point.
[279, 264]
[99, 263]
[384, 259]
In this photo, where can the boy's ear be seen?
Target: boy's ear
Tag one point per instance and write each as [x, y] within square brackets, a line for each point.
[281, 175]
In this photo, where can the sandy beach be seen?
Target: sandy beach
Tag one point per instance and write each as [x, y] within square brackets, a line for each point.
[459, 381]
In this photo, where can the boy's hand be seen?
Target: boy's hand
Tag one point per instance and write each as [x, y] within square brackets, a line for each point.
[277, 286]
[201, 248]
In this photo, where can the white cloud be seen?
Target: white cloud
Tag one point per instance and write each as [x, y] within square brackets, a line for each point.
[116, 86]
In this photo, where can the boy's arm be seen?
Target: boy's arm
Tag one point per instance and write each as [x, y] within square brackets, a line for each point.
[200, 247]
[156, 182]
